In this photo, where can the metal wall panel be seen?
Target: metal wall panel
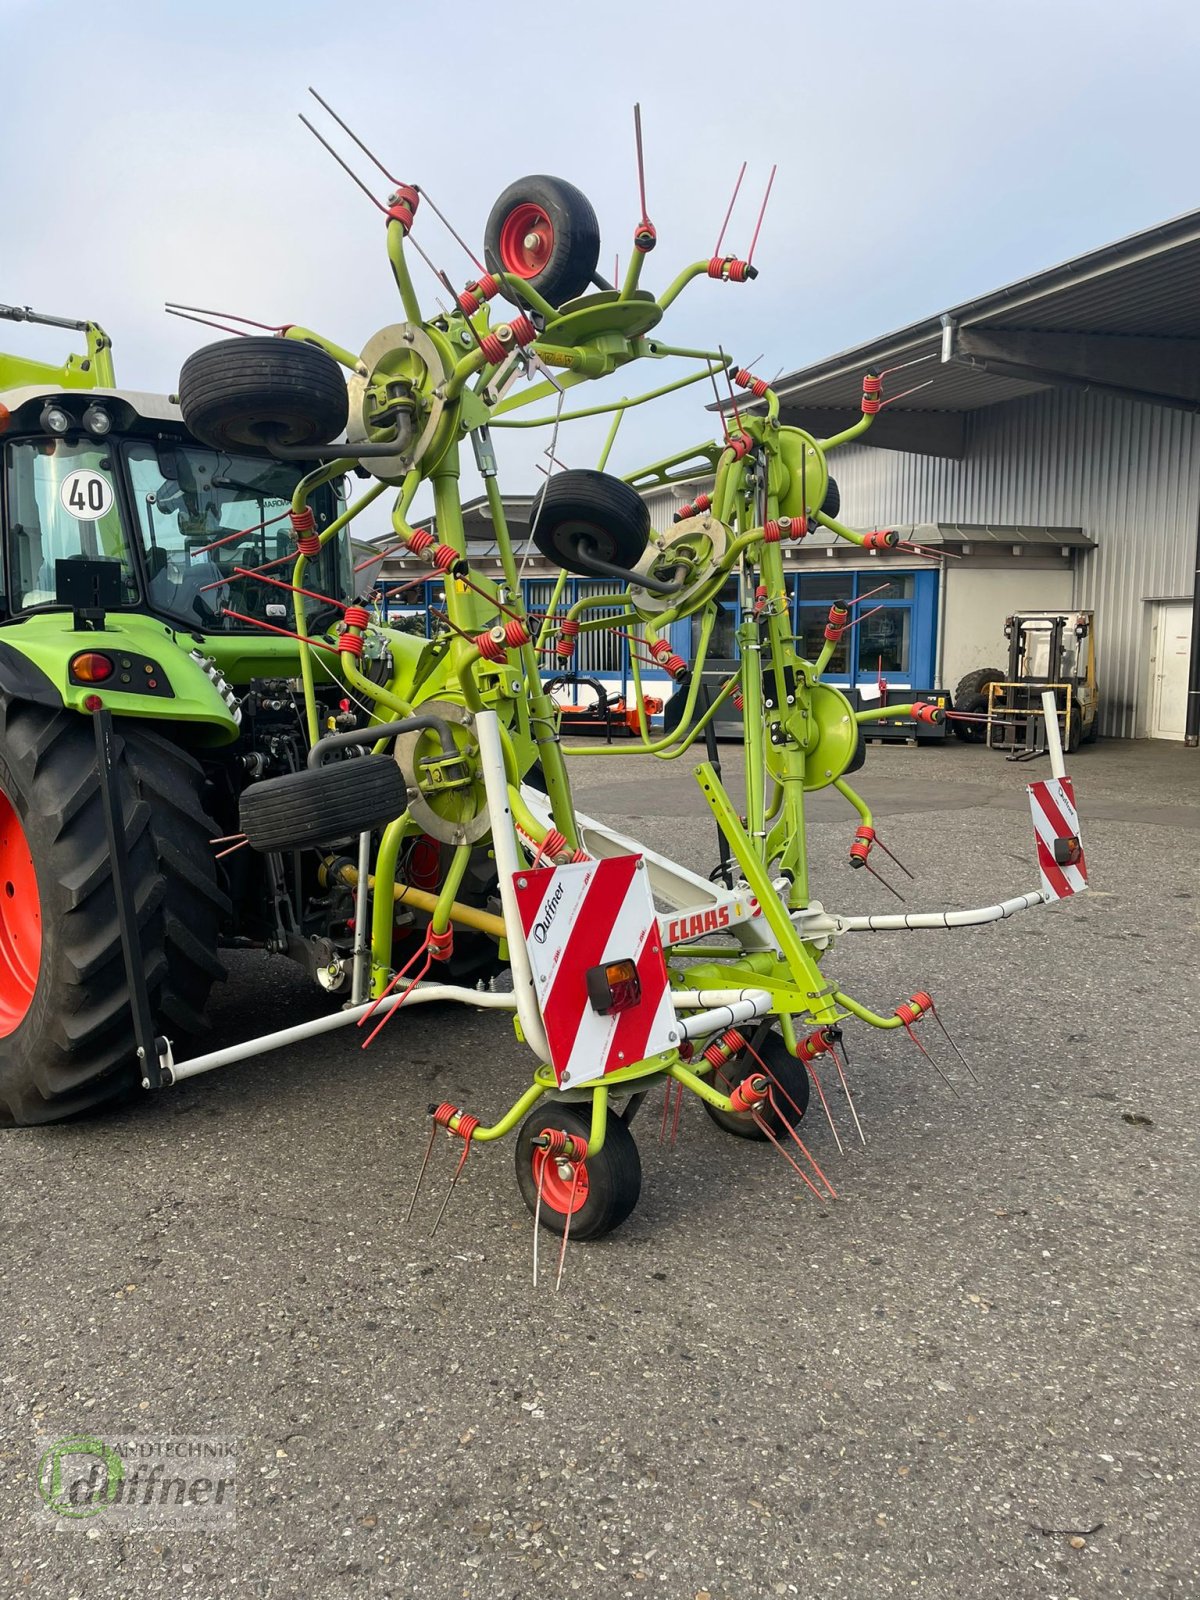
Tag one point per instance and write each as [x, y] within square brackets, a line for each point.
[1127, 474]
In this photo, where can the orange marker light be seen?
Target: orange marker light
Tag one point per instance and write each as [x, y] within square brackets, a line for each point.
[91, 667]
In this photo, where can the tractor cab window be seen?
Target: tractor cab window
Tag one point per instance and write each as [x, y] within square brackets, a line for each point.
[207, 519]
[62, 506]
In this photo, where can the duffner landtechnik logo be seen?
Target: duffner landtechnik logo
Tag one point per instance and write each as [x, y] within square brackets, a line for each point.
[88, 1481]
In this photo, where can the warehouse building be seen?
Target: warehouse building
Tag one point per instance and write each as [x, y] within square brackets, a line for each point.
[1050, 455]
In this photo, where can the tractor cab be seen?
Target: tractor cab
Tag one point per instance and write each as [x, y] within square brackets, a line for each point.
[114, 477]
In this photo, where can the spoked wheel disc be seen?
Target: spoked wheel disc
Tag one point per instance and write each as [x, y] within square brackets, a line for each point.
[597, 1195]
[526, 241]
[20, 921]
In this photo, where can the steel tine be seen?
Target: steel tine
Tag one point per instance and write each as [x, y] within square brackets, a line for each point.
[880, 879]
[812, 1072]
[562, 1253]
[662, 1128]
[893, 857]
[837, 1061]
[953, 1046]
[537, 1214]
[421, 1175]
[462, 1161]
[791, 1163]
[678, 1111]
[800, 1144]
[930, 1059]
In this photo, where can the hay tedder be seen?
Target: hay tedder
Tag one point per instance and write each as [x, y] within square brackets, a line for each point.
[209, 739]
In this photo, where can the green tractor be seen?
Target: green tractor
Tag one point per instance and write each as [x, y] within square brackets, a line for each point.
[124, 543]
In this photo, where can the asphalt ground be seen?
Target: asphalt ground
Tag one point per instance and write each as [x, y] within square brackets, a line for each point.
[984, 1349]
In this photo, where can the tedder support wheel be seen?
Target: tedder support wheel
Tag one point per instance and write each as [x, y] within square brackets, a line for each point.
[261, 391]
[580, 512]
[789, 1091]
[66, 1031]
[322, 805]
[971, 696]
[608, 1184]
[545, 231]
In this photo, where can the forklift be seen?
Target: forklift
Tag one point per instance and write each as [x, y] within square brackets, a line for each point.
[1046, 650]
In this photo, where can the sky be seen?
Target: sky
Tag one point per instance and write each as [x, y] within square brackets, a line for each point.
[927, 152]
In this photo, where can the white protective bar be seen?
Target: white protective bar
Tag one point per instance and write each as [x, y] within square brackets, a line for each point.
[508, 864]
[1053, 738]
[479, 998]
[704, 999]
[723, 1017]
[893, 922]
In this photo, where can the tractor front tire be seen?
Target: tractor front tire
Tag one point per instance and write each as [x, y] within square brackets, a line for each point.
[66, 1031]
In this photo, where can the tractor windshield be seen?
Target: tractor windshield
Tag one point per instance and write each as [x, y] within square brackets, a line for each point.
[62, 505]
[207, 518]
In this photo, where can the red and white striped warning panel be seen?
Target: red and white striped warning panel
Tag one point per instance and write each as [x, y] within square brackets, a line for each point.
[576, 919]
[1056, 828]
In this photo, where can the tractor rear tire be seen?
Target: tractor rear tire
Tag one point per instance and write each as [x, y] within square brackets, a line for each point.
[250, 393]
[66, 1030]
[971, 697]
[543, 230]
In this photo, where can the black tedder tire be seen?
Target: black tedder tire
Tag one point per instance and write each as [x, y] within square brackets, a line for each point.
[582, 504]
[323, 805]
[67, 1043]
[545, 231]
[791, 1077]
[832, 502]
[971, 697]
[259, 391]
[609, 1185]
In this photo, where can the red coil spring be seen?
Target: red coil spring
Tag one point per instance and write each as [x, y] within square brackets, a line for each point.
[308, 543]
[357, 617]
[645, 237]
[864, 838]
[740, 446]
[445, 557]
[799, 527]
[441, 945]
[419, 540]
[748, 1094]
[350, 644]
[674, 666]
[737, 699]
[772, 531]
[522, 330]
[701, 503]
[915, 1007]
[760, 599]
[757, 386]
[578, 857]
[557, 1142]
[493, 348]
[402, 205]
[735, 1040]
[554, 844]
[716, 1054]
[839, 616]
[567, 634]
[474, 295]
[492, 644]
[444, 1115]
[881, 539]
[729, 269]
[870, 395]
[812, 1045]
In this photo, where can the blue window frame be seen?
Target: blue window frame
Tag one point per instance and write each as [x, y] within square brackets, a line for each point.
[895, 637]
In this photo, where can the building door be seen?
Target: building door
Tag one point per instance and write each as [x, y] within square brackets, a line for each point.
[895, 637]
[1170, 650]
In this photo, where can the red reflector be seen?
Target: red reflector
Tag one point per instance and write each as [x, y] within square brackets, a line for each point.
[614, 987]
[91, 667]
[92, 702]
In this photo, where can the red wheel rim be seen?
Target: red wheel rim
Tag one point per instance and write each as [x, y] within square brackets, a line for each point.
[556, 1190]
[20, 921]
[526, 240]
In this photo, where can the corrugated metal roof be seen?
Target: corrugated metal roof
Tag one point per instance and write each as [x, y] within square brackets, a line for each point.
[1145, 285]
